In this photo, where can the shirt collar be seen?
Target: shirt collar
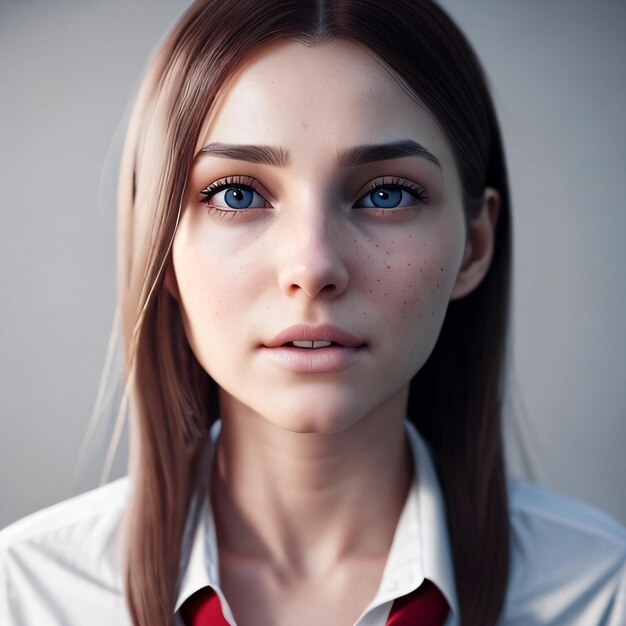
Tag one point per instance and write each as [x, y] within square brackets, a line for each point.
[419, 549]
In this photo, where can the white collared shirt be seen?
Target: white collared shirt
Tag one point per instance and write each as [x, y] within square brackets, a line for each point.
[63, 566]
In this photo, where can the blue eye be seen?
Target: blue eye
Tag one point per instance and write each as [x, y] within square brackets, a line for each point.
[391, 196]
[238, 198]
[233, 196]
[385, 197]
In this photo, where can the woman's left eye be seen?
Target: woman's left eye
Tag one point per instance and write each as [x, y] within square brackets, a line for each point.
[392, 196]
[233, 196]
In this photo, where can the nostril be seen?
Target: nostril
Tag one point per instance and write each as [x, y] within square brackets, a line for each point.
[312, 289]
[315, 278]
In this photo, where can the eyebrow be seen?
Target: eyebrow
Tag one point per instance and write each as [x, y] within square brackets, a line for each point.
[358, 155]
[382, 152]
[254, 154]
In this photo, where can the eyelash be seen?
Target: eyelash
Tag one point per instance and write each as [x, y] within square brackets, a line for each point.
[417, 191]
[242, 182]
[250, 184]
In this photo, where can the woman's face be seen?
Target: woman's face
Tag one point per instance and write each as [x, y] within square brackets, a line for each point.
[326, 207]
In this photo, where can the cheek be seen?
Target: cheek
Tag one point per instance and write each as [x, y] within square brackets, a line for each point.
[412, 274]
[214, 287]
[411, 294]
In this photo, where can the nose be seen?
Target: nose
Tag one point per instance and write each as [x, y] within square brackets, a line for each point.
[312, 260]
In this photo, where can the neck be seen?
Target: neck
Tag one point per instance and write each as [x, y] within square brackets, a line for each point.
[306, 501]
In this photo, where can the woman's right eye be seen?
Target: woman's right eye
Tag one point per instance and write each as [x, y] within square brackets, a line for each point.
[228, 195]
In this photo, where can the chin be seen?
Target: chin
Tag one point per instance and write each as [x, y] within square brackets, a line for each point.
[317, 420]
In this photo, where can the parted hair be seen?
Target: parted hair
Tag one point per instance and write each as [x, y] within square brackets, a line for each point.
[454, 400]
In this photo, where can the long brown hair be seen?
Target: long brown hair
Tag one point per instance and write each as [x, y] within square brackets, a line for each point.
[454, 400]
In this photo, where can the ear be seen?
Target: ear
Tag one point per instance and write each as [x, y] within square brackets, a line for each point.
[478, 245]
[170, 284]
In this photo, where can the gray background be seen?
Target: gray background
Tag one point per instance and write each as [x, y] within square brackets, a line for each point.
[557, 70]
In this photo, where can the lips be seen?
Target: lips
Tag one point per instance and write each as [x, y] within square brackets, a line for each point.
[323, 349]
[314, 337]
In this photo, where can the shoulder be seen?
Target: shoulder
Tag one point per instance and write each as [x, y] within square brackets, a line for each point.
[568, 561]
[83, 520]
[64, 559]
[555, 523]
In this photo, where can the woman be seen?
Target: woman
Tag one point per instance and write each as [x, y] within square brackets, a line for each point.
[314, 246]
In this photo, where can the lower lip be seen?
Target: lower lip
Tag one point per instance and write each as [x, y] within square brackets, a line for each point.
[313, 360]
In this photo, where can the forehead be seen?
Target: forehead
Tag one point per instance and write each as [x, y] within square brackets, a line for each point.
[335, 94]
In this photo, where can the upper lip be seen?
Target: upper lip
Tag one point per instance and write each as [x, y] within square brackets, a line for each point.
[323, 332]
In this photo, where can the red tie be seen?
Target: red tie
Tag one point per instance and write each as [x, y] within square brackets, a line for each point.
[425, 606]
[203, 608]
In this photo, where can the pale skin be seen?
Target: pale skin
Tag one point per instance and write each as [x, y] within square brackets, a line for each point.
[312, 469]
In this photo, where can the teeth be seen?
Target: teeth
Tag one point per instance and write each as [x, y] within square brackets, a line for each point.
[321, 344]
[303, 344]
[311, 344]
